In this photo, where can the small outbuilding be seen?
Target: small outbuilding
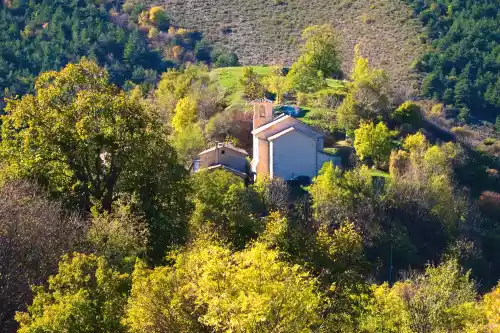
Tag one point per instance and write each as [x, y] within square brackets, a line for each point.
[225, 156]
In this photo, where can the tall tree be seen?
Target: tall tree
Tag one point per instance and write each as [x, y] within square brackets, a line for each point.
[89, 143]
[373, 141]
[320, 58]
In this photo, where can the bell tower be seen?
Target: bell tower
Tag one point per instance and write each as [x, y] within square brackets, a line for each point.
[262, 112]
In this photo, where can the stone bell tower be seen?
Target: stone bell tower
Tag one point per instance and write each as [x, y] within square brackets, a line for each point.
[262, 112]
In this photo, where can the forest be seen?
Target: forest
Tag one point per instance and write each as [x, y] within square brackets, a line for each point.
[135, 45]
[462, 66]
[104, 227]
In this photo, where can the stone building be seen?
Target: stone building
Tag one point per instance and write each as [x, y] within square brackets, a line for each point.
[284, 147]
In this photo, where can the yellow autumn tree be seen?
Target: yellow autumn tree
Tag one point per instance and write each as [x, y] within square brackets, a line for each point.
[185, 113]
[365, 98]
[373, 141]
[211, 288]
[158, 17]
[491, 307]
[276, 83]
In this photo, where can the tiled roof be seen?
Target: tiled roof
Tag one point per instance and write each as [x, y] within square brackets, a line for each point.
[277, 135]
[301, 125]
[226, 145]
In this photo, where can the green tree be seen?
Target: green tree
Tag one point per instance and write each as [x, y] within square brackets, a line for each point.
[84, 296]
[251, 81]
[224, 205]
[89, 143]
[305, 79]
[366, 96]
[373, 141]
[189, 142]
[409, 113]
[119, 237]
[321, 50]
[320, 58]
[441, 300]
[177, 84]
[276, 83]
[337, 193]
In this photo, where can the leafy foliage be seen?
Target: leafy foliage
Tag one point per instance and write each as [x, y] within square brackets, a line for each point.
[251, 81]
[89, 144]
[319, 59]
[39, 36]
[247, 291]
[373, 141]
[224, 206]
[366, 97]
[85, 296]
[441, 299]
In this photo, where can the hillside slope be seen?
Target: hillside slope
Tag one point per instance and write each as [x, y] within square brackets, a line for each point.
[268, 31]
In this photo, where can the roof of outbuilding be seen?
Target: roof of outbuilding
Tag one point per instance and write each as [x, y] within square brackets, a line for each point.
[225, 167]
[226, 145]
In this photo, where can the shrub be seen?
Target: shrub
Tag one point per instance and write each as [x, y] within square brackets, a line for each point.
[408, 112]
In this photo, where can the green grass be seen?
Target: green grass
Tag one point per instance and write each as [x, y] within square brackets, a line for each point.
[335, 84]
[331, 151]
[228, 78]
[379, 173]
[308, 117]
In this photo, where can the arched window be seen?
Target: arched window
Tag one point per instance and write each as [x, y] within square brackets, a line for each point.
[262, 111]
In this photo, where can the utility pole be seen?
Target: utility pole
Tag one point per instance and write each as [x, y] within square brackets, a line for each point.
[390, 267]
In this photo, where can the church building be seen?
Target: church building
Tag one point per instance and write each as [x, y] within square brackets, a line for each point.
[285, 147]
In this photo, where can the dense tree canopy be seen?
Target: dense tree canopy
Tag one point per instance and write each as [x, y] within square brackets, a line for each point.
[103, 229]
[38, 36]
[90, 144]
[462, 66]
[86, 295]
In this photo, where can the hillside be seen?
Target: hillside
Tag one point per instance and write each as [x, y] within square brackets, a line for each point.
[267, 31]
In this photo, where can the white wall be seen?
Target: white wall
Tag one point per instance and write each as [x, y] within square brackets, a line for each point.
[292, 155]
[255, 154]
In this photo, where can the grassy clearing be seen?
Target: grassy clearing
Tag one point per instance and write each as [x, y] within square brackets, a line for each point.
[331, 151]
[335, 84]
[228, 78]
[379, 173]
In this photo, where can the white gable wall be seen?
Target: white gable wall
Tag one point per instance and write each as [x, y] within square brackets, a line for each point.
[293, 154]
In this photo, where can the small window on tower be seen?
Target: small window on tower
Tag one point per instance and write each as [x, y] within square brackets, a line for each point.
[262, 111]
[222, 152]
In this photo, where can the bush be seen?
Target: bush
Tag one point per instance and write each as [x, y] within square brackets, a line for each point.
[223, 58]
[408, 112]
